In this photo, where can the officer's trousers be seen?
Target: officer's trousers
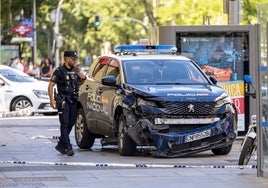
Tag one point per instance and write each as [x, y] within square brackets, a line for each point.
[67, 117]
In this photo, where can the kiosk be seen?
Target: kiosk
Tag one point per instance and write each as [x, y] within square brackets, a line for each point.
[227, 52]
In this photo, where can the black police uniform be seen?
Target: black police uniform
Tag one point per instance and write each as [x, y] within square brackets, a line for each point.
[67, 83]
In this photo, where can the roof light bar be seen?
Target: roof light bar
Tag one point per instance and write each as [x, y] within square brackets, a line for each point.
[145, 48]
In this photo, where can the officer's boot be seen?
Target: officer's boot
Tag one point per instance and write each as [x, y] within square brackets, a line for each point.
[61, 148]
[70, 151]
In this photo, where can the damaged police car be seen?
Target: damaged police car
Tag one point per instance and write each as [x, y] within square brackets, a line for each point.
[150, 96]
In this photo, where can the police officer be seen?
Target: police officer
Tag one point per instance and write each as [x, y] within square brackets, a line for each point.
[67, 78]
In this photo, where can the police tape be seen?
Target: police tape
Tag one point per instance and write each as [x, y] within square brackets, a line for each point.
[45, 137]
[126, 165]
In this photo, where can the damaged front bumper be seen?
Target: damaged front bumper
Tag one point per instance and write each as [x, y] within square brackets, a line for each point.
[173, 144]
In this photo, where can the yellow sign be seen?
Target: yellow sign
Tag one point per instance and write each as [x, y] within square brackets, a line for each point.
[234, 89]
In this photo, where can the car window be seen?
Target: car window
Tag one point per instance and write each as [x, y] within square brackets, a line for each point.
[113, 69]
[100, 68]
[162, 72]
[16, 76]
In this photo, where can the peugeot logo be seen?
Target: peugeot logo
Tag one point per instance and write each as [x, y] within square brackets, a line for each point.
[191, 108]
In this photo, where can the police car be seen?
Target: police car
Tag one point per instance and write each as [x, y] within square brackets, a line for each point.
[151, 96]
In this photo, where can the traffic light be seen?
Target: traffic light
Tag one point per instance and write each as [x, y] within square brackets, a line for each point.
[97, 21]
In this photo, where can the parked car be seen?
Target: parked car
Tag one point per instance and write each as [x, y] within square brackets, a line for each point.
[19, 91]
[150, 96]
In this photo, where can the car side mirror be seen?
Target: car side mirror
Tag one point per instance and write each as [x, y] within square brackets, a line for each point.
[2, 83]
[213, 80]
[109, 80]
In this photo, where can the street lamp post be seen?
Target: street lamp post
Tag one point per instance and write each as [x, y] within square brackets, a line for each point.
[34, 30]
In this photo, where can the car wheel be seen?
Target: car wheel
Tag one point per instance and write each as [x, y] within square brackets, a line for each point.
[84, 139]
[21, 103]
[222, 151]
[126, 146]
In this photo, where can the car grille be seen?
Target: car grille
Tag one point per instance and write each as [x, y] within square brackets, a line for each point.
[189, 108]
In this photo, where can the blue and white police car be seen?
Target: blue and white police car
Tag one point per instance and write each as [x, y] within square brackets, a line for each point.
[151, 96]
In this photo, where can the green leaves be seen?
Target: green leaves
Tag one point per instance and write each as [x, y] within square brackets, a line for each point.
[79, 20]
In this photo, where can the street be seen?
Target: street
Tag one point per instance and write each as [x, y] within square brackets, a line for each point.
[28, 159]
[38, 136]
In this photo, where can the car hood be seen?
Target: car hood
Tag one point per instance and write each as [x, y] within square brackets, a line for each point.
[177, 92]
[37, 85]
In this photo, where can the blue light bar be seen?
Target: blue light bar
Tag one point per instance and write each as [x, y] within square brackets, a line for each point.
[145, 48]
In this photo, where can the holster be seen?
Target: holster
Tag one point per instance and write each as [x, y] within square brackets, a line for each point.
[60, 101]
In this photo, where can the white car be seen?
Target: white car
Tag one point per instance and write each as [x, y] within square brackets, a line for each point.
[20, 91]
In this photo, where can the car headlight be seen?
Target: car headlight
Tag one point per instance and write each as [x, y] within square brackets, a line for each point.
[223, 99]
[141, 102]
[149, 107]
[41, 94]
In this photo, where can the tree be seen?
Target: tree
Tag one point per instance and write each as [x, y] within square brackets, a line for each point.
[249, 11]
[79, 32]
[191, 12]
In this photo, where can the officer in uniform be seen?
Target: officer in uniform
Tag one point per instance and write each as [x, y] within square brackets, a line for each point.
[67, 78]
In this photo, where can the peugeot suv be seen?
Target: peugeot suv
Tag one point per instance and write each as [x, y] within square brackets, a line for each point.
[151, 96]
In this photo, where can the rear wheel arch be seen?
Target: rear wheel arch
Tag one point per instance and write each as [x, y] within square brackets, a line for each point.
[84, 138]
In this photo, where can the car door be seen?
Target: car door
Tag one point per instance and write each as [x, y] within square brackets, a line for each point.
[107, 96]
[2, 95]
[98, 110]
[6, 93]
[90, 97]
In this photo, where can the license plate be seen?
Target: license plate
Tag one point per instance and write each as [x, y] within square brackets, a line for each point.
[198, 136]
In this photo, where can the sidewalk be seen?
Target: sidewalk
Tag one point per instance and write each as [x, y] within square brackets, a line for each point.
[115, 177]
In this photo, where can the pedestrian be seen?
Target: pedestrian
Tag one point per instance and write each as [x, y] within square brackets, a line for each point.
[11, 61]
[17, 64]
[67, 78]
[34, 70]
[25, 65]
[46, 68]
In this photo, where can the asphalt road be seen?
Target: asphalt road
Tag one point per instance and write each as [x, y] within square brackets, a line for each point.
[37, 136]
[28, 159]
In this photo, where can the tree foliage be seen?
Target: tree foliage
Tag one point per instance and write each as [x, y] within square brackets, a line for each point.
[249, 10]
[122, 21]
[191, 12]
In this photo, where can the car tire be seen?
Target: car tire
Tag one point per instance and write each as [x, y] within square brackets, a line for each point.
[84, 139]
[126, 146]
[222, 151]
[246, 151]
[21, 103]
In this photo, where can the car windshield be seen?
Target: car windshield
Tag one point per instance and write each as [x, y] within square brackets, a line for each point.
[162, 72]
[16, 75]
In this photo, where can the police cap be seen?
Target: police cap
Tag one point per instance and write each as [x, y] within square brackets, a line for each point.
[71, 54]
